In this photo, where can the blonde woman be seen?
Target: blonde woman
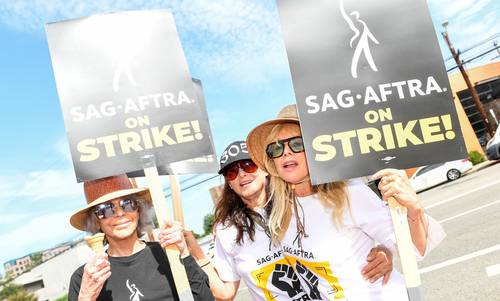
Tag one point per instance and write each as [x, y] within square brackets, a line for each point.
[326, 230]
[243, 250]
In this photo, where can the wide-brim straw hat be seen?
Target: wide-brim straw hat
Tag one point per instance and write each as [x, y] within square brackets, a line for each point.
[257, 138]
[106, 189]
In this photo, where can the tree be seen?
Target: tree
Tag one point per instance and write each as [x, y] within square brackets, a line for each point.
[196, 235]
[22, 295]
[208, 223]
[63, 298]
[15, 292]
[36, 259]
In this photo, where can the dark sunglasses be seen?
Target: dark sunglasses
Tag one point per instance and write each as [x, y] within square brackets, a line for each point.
[276, 149]
[231, 172]
[107, 210]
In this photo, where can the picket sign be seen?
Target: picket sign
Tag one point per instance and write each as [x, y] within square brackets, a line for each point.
[175, 189]
[406, 250]
[161, 210]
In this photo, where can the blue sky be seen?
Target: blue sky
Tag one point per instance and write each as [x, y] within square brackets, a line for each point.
[234, 47]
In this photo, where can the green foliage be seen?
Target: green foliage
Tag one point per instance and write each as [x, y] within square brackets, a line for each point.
[208, 223]
[36, 259]
[62, 298]
[196, 235]
[14, 292]
[476, 157]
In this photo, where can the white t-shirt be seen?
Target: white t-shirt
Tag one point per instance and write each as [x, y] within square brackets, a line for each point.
[329, 264]
[252, 262]
[332, 257]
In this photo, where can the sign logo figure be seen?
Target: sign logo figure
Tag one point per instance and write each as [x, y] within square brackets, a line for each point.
[135, 293]
[363, 40]
[123, 64]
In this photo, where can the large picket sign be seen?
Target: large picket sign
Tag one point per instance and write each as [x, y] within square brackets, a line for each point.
[372, 93]
[126, 93]
[370, 85]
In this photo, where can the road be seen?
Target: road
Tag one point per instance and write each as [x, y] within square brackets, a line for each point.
[466, 265]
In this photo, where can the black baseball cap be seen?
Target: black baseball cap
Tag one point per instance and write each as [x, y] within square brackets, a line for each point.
[235, 151]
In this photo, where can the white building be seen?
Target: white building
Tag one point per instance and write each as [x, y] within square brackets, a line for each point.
[50, 280]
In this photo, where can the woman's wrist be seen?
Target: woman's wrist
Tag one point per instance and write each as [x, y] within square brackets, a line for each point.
[415, 214]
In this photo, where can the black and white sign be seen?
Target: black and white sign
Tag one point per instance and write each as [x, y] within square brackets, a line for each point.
[370, 86]
[203, 164]
[125, 92]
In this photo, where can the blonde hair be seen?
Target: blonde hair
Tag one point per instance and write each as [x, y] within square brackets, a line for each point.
[333, 195]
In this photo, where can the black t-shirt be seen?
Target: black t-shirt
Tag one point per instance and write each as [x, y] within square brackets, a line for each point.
[145, 276]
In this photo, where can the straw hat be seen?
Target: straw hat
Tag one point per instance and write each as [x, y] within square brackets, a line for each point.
[256, 140]
[102, 190]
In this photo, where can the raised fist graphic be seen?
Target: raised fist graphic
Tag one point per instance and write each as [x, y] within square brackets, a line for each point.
[285, 279]
[311, 280]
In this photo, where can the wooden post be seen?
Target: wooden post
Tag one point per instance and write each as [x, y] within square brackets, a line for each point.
[406, 250]
[176, 198]
[161, 210]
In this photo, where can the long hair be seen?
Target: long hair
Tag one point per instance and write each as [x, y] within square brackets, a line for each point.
[143, 213]
[333, 195]
[232, 211]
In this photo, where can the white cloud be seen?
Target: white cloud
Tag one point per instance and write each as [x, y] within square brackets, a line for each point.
[62, 149]
[225, 39]
[35, 234]
[37, 185]
[10, 218]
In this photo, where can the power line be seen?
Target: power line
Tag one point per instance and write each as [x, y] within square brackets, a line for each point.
[475, 45]
[477, 56]
[193, 185]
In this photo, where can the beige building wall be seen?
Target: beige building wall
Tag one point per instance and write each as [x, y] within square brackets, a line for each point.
[457, 84]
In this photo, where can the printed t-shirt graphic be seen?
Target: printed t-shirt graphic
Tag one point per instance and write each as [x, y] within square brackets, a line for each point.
[299, 280]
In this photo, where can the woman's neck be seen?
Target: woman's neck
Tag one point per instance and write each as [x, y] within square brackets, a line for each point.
[257, 200]
[124, 247]
[303, 189]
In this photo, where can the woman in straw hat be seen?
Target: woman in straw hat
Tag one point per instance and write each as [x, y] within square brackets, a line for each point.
[131, 269]
[243, 250]
[328, 228]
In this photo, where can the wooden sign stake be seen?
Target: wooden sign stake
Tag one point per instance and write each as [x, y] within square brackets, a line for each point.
[406, 250]
[161, 210]
[176, 198]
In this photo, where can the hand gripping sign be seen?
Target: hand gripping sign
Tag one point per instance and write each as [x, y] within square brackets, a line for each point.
[128, 101]
[371, 90]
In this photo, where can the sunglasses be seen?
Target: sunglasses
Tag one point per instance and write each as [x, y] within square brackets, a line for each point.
[276, 149]
[107, 210]
[231, 172]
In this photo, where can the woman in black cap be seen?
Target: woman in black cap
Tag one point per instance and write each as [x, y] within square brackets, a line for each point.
[243, 249]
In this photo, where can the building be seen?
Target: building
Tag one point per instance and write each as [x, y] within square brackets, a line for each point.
[16, 267]
[486, 79]
[216, 193]
[50, 280]
[48, 254]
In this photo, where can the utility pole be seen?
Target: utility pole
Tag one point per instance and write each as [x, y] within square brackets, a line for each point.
[471, 88]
